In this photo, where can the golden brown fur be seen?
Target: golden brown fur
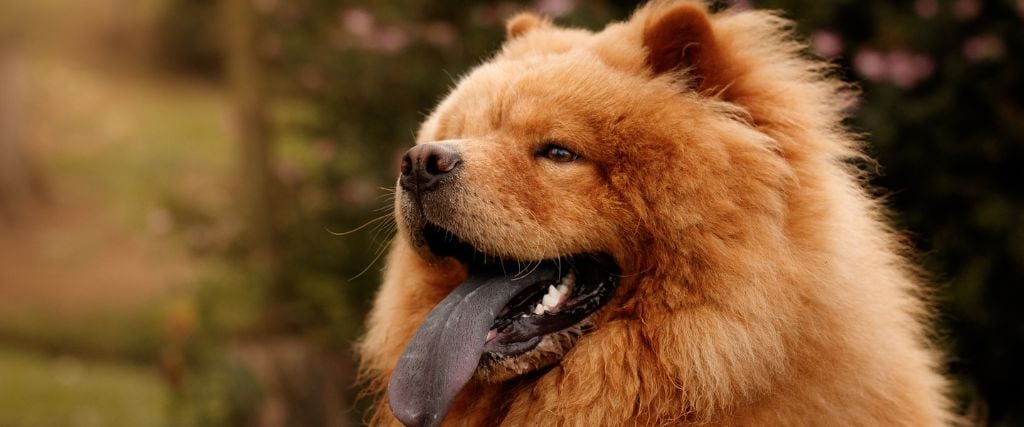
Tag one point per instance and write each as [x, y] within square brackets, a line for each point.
[760, 285]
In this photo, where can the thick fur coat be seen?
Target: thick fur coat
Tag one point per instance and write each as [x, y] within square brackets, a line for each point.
[760, 284]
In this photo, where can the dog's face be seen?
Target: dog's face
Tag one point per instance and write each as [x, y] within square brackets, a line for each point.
[548, 173]
[513, 175]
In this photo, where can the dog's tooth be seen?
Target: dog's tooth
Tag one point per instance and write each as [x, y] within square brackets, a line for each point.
[552, 290]
[539, 309]
[563, 289]
[569, 278]
[550, 300]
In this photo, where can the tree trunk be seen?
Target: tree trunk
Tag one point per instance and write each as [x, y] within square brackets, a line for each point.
[20, 184]
[304, 387]
[253, 130]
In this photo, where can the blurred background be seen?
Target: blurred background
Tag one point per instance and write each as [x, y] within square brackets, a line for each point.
[175, 176]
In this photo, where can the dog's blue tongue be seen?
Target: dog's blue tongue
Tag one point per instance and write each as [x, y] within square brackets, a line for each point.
[446, 349]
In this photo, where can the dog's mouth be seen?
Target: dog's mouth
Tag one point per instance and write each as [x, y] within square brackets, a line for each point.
[504, 310]
[556, 293]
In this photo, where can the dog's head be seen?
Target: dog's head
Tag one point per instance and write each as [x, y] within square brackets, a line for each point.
[557, 174]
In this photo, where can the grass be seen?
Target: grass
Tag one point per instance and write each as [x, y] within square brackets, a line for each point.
[114, 144]
[129, 334]
[61, 391]
[125, 148]
[127, 140]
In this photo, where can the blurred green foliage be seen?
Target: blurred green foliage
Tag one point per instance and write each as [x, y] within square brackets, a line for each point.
[942, 111]
[132, 335]
[949, 143]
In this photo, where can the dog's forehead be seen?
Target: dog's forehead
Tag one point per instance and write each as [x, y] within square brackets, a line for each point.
[533, 93]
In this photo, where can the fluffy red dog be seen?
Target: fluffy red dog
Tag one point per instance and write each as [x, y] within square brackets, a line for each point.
[653, 224]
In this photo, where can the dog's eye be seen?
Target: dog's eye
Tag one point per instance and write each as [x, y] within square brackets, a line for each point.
[558, 154]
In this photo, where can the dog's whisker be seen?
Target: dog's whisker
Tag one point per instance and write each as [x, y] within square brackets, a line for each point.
[366, 224]
[380, 252]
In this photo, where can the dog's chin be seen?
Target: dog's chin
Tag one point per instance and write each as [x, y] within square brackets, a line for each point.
[542, 323]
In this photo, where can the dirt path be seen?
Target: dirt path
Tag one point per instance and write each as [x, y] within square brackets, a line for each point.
[69, 258]
[111, 148]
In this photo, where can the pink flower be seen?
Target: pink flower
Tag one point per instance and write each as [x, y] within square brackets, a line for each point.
[907, 69]
[926, 8]
[357, 21]
[899, 67]
[964, 10]
[439, 34]
[826, 43]
[493, 15]
[870, 64]
[981, 48]
[924, 65]
[741, 5]
[555, 7]
[389, 40]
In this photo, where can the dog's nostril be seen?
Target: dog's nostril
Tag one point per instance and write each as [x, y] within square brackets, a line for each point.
[439, 160]
[406, 167]
[433, 164]
[424, 165]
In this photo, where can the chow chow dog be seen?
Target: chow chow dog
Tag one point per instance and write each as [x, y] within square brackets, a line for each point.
[658, 223]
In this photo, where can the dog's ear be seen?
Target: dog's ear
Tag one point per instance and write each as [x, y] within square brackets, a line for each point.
[682, 37]
[522, 23]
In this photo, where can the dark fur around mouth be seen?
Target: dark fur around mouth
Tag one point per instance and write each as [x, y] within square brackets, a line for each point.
[590, 281]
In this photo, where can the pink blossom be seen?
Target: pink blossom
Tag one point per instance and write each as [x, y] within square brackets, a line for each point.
[555, 7]
[981, 48]
[925, 65]
[964, 10]
[826, 43]
[899, 67]
[389, 40]
[926, 8]
[439, 34]
[358, 21]
[742, 5]
[870, 64]
[492, 15]
[907, 69]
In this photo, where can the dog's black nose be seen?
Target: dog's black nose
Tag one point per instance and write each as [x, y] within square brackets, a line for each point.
[424, 165]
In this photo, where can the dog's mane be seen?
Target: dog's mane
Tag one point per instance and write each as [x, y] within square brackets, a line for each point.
[795, 306]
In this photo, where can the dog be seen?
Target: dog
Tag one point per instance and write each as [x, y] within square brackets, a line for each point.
[660, 223]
